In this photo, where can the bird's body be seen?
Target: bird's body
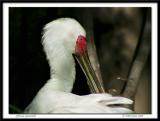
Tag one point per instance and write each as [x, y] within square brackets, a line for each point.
[59, 41]
[63, 102]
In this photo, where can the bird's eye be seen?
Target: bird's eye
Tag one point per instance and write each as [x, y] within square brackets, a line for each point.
[81, 38]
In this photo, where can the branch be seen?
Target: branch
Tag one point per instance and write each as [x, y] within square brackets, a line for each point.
[139, 59]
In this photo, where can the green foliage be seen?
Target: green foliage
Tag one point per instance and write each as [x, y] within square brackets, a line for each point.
[15, 109]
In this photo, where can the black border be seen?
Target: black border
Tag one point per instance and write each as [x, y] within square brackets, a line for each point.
[64, 1]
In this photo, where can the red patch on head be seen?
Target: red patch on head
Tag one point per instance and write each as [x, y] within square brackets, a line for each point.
[80, 45]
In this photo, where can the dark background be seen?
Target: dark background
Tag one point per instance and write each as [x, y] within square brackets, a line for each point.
[116, 32]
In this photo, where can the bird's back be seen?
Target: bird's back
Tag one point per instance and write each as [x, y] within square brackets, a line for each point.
[64, 102]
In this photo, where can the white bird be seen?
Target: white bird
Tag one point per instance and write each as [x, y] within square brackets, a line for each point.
[62, 39]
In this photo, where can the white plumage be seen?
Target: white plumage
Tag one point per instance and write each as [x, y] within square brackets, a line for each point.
[59, 41]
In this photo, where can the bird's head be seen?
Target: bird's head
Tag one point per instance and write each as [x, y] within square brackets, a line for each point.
[72, 36]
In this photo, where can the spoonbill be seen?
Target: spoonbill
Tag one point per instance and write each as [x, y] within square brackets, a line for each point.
[62, 39]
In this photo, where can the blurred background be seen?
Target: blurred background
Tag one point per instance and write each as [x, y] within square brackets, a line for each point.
[115, 32]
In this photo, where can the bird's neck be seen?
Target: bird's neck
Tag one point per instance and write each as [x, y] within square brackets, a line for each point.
[62, 70]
